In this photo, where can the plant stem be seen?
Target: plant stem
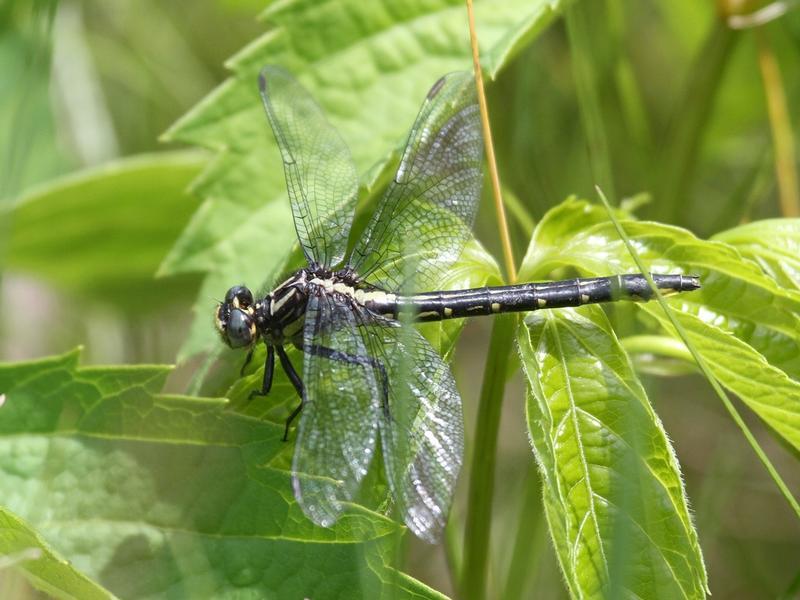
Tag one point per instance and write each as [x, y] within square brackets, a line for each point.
[481, 477]
[781, 125]
[656, 344]
[502, 224]
[481, 481]
[530, 540]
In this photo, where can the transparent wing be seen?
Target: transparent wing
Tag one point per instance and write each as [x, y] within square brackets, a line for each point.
[320, 176]
[425, 217]
[422, 435]
[337, 434]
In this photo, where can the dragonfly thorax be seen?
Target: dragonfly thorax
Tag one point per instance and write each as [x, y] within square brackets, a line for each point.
[285, 309]
[279, 317]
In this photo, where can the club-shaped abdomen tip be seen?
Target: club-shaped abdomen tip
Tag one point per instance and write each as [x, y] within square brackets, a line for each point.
[690, 283]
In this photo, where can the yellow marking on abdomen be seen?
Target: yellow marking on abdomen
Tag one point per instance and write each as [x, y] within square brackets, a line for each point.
[362, 297]
[428, 313]
[344, 289]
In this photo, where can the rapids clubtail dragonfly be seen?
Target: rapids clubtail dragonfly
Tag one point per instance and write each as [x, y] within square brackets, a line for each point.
[368, 375]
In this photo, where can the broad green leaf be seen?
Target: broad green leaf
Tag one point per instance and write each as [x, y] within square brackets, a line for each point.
[767, 390]
[152, 495]
[369, 65]
[735, 293]
[103, 232]
[773, 243]
[744, 322]
[613, 493]
[22, 547]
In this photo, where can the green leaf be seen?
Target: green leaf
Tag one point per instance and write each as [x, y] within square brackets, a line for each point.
[369, 65]
[746, 326]
[22, 547]
[766, 390]
[117, 222]
[156, 495]
[735, 293]
[613, 494]
[774, 244]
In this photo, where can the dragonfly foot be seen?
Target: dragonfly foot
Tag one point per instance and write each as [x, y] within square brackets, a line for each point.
[291, 418]
[254, 393]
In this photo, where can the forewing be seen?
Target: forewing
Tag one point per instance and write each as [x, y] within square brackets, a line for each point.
[336, 437]
[425, 217]
[422, 435]
[320, 176]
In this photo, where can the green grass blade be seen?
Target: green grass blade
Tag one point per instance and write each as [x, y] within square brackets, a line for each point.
[689, 120]
[519, 212]
[584, 73]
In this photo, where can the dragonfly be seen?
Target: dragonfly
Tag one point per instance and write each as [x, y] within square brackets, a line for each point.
[369, 378]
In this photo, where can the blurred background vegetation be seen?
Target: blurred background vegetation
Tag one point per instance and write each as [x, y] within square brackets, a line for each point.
[693, 113]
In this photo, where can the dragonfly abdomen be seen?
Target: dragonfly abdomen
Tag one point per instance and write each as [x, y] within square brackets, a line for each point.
[436, 306]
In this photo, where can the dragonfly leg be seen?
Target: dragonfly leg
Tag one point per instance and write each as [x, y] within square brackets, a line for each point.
[269, 368]
[364, 361]
[296, 382]
[291, 418]
[247, 361]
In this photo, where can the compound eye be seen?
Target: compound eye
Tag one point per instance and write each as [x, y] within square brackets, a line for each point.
[239, 330]
[240, 293]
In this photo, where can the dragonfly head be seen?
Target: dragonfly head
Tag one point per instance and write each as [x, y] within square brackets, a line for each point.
[235, 318]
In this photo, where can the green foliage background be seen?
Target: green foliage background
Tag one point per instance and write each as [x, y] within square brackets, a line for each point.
[138, 179]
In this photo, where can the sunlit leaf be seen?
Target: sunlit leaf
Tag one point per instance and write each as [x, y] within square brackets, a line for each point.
[23, 548]
[742, 321]
[773, 243]
[613, 492]
[768, 391]
[152, 495]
